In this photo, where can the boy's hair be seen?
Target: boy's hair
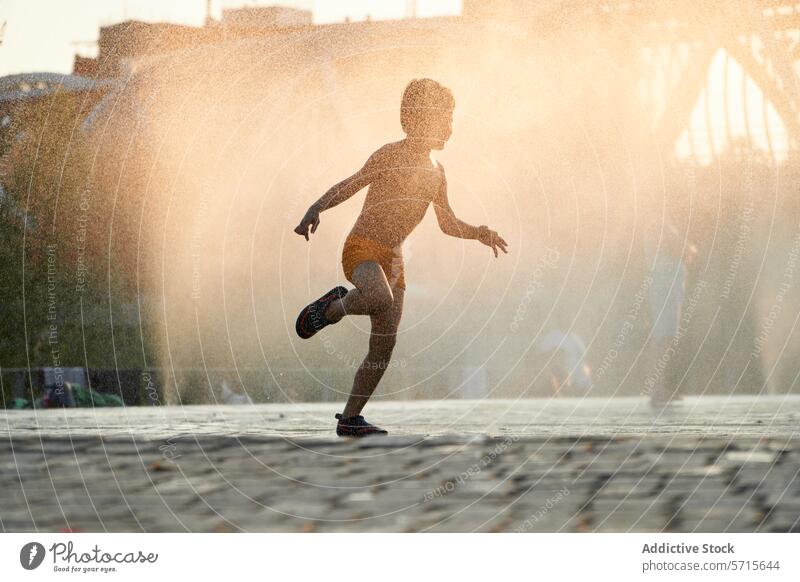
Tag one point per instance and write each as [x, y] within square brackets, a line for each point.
[421, 98]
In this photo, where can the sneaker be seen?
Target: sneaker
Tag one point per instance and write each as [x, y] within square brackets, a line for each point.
[312, 317]
[356, 426]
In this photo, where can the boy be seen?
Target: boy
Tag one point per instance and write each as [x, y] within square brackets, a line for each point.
[403, 180]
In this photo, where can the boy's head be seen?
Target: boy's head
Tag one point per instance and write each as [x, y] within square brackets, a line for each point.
[427, 112]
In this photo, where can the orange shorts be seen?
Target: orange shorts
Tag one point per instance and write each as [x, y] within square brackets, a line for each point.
[358, 249]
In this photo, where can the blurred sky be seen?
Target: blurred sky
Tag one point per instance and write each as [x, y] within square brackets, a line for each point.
[40, 34]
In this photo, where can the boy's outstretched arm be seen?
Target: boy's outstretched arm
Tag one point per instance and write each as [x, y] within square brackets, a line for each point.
[338, 194]
[453, 226]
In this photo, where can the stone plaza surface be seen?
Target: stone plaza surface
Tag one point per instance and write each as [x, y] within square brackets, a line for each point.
[711, 464]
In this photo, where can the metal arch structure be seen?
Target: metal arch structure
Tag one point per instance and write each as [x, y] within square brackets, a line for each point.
[762, 36]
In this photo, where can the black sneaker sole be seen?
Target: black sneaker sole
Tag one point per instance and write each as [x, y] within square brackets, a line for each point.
[357, 435]
[357, 431]
[306, 326]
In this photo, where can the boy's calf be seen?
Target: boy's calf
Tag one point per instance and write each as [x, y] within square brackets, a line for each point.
[381, 347]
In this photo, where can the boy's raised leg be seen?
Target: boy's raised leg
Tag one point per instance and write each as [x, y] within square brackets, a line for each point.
[371, 296]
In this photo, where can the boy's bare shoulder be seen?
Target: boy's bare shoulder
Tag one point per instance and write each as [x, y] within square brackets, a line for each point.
[386, 154]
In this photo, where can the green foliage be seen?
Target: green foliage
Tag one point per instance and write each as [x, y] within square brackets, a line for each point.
[53, 283]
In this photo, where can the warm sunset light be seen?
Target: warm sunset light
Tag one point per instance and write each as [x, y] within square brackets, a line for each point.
[401, 266]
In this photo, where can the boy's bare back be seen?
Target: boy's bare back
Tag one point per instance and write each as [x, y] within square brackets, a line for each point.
[402, 183]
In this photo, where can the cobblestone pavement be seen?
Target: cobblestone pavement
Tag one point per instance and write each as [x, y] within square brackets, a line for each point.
[709, 465]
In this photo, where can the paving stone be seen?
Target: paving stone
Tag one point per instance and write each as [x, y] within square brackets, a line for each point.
[224, 469]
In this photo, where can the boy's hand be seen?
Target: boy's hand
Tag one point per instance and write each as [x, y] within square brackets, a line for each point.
[309, 221]
[491, 239]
